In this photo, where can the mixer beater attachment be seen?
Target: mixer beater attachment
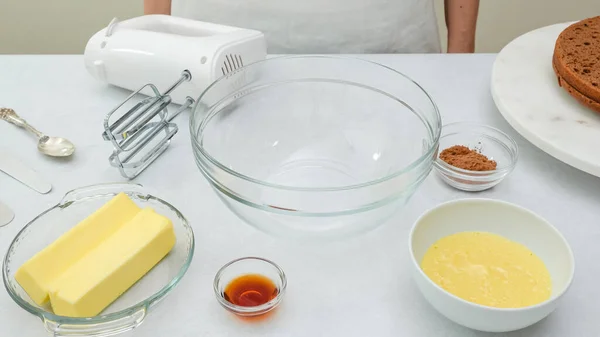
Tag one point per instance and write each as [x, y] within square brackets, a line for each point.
[142, 132]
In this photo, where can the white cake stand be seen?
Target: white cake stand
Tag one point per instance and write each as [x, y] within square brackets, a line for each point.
[527, 94]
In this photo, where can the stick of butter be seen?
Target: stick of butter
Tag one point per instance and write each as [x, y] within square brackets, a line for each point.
[106, 272]
[37, 274]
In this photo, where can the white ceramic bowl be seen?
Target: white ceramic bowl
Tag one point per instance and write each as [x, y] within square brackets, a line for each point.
[510, 221]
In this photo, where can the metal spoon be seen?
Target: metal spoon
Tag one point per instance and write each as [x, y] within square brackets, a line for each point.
[51, 146]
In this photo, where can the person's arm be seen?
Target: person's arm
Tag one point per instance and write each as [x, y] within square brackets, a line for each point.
[461, 20]
[157, 7]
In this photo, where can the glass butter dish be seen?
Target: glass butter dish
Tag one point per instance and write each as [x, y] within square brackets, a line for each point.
[131, 308]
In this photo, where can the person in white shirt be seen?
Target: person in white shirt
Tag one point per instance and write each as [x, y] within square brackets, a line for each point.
[337, 26]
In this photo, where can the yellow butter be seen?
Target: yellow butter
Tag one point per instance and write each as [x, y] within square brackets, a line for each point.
[488, 269]
[106, 272]
[37, 274]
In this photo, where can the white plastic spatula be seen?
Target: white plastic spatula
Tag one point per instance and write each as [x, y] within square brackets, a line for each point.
[16, 169]
[6, 215]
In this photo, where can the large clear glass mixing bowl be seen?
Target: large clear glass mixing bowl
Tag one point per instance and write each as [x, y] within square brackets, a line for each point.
[315, 146]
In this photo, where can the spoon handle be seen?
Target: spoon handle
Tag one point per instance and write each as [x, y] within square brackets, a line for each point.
[11, 116]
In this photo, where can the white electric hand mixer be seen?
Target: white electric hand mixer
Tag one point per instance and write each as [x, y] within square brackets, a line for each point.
[147, 53]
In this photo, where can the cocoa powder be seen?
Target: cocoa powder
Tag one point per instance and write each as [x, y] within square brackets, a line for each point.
[462, 157]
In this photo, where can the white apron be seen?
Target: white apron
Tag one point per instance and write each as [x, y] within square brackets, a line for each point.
[326, 26]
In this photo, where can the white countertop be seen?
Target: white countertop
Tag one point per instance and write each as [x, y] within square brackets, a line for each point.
[360, 287]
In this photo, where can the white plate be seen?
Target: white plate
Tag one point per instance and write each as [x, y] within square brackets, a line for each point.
[527, 94]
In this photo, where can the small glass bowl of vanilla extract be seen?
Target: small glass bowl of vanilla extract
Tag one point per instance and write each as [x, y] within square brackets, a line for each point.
[250, 286]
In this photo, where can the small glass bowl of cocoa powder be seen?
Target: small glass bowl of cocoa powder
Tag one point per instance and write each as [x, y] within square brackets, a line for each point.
[475, 157]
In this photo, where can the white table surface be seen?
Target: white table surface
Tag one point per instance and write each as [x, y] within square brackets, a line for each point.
[359, 287]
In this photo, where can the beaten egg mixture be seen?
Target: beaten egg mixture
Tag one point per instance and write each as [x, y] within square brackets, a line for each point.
[488, 269]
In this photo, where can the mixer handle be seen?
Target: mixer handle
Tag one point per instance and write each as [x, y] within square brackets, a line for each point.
[110, 27]
[170, 25]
